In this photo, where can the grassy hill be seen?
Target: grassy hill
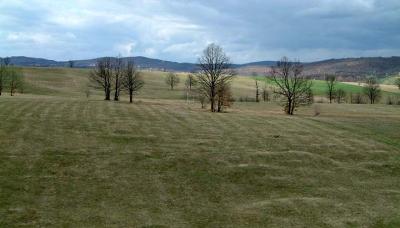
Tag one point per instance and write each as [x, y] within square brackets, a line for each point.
[73, 82]
[71, 161]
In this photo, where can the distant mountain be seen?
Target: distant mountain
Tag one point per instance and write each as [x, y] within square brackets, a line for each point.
[262, 64]
[355, 67]
[349, 68]
[28, 61]
[142, 62]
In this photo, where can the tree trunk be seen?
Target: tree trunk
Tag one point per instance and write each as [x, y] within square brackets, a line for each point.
[212, 98]
[289, 108]
[130, 96]
[108, 93]
[116, 97]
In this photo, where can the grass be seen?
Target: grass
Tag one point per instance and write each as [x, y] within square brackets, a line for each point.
[76, 162]
[319, 87]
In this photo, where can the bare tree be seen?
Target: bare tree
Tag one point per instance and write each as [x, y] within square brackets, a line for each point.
[15, 80]
[292, 86]
[71, 64]
[190, 83]
[372, 89]
[257, 90]
[215, 72]
[117, 76]
[340, 95]
[132, 80]
[265, 95]
[101, 76]
[7, 61]
[172, 80]
[397, 82]
[331, 84]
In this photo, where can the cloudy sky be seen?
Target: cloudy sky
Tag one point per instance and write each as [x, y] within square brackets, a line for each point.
[178, 30]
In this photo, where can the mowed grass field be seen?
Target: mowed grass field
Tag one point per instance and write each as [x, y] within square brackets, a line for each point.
[69, 161]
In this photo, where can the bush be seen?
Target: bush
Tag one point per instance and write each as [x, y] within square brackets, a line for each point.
[357, 99]
[390, 100]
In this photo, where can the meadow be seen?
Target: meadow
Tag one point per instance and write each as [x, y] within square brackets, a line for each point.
[72, 161]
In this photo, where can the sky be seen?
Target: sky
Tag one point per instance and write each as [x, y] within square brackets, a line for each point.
[178, 30]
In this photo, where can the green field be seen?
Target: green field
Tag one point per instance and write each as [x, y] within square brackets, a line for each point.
[69, 161]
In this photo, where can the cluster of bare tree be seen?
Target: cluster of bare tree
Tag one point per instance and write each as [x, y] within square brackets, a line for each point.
[372, 90]
[114, 75]
[11, 78]
[211, 83]
[216, 73]
[371, 93]
[332, 92]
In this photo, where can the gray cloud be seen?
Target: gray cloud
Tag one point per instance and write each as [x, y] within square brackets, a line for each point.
[178, 29]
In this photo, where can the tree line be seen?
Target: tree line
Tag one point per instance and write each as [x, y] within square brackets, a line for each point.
[371, 90]
[211, 82]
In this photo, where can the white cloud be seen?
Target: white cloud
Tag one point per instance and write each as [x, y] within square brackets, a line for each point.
[179, 30]
[70, 35]
[37, 38]
[150, 52]
[126, 49]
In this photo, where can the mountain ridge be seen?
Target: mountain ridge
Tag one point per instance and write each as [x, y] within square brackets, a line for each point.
[345, 67]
